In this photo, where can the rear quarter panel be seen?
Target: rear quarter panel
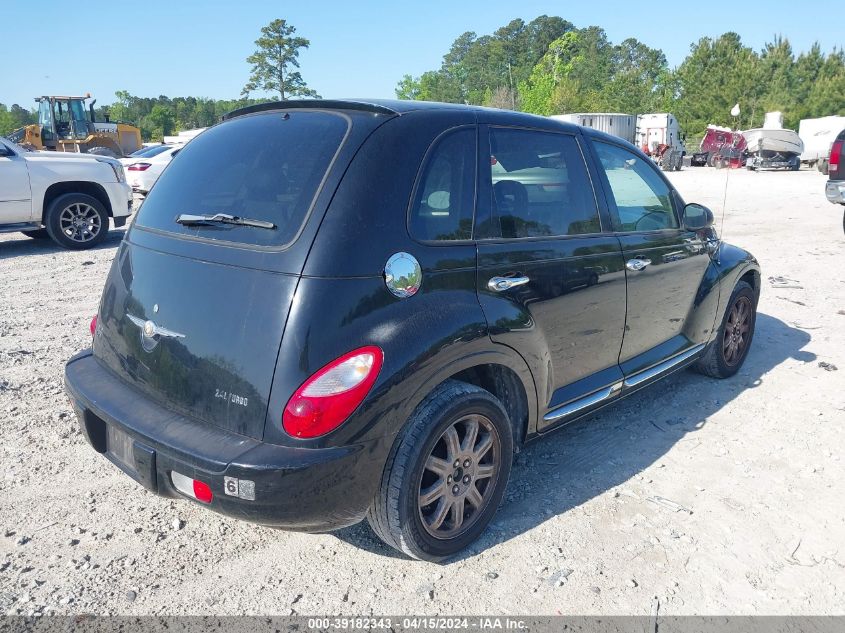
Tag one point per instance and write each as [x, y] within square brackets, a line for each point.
[342, 303]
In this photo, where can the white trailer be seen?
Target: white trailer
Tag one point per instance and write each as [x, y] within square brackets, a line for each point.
[659, 129]
[615, 123]
[818, 135]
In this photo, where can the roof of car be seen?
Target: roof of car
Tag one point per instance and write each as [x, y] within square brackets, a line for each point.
[402, 106]
[378, 106]
[382, 106]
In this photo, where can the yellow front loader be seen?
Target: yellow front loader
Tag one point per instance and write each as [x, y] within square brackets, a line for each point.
[66, 125]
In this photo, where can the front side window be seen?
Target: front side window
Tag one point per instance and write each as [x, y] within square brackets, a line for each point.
[445, 197]
[540, 185]
[643, 199]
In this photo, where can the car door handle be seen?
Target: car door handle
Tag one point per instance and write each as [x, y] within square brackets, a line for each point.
[499, 284]
[638, 263]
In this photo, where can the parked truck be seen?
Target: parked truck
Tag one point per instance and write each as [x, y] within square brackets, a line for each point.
[720, 146]
[659, 136]
[659, 129]
[818, 136]
[68, 197]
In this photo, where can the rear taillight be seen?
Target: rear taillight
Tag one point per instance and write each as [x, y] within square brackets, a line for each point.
[193, 488]
[835, 156]
[329, 397]
[93, 325]
[139, 166]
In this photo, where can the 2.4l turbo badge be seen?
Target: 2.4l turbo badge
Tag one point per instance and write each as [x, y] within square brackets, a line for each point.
[241, 488]
[231, 397]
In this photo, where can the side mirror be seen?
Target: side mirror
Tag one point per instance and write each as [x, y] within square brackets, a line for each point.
[697, 217]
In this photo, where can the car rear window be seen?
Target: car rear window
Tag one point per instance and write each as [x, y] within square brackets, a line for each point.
[149, 152]
[266, 167]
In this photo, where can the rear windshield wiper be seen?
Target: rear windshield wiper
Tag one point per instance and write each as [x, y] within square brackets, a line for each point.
[222, 218]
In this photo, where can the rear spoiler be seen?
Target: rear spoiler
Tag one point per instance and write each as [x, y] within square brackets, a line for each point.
[312, 104]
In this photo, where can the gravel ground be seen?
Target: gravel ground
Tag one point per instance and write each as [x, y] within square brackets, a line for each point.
[754, 462]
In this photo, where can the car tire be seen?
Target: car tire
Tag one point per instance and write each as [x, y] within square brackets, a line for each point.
[37, 234]
[399, 514]
[77, 221]
[728, 350]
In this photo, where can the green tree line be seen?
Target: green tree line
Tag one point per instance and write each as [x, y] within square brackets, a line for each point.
[548, 66]
[155, 116]
[162, 116]
[11, 118]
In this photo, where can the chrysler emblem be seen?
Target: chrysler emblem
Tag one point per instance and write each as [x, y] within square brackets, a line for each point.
[151, 333]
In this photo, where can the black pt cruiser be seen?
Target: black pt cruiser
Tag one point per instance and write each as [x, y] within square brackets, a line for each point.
[331, 310]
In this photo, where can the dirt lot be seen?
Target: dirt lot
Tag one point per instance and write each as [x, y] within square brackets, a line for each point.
[755, 461]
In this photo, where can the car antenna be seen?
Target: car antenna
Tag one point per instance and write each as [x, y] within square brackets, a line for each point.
[735, 114]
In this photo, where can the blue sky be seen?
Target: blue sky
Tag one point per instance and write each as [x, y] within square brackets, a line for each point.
[358, 48]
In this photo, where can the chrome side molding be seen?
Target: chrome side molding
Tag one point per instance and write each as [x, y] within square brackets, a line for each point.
[666, 365]
[575, 406]
[597, 397]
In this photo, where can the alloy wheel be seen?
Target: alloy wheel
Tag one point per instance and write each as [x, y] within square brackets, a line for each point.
[459, 476]
[737, 329]
[80, 222]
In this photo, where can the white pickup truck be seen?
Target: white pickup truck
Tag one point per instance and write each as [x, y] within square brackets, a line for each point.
[63, 196]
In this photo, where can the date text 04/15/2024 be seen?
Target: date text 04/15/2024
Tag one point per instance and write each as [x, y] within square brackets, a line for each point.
[418, 623]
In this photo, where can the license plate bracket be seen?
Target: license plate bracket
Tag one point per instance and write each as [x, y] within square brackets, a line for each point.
[132, 457]
[120, 446]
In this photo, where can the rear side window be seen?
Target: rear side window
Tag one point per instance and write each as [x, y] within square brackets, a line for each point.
[540, 185]
[445, 196]
[265, 167]
[643, 199]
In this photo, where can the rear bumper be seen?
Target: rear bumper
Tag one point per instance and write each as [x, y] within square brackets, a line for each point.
[834, 190]
[313, 490]
[141, 181]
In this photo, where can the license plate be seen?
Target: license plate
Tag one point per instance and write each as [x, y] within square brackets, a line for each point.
[120, 447]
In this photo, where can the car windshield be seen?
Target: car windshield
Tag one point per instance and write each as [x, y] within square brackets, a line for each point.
[149, 152]
[267, 167]
[13, 145]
